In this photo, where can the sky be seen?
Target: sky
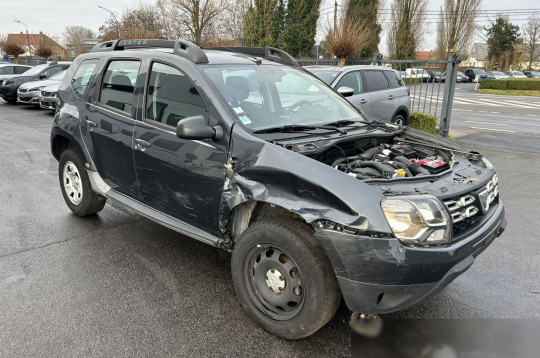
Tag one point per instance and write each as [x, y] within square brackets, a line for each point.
[52, 16]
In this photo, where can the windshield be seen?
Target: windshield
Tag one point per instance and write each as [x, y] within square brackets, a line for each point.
[327, 76]
[36, 70]
[534, 73]
[59, 76]
[269, 96]
[479, 72]
[518, 73]
[460, 73]
[498, 73]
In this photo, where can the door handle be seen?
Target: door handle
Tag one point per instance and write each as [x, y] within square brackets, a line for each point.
[363, 101]
[90, 123]
[391, 97]
[142, 144]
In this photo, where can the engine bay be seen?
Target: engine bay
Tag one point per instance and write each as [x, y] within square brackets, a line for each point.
[386, 159]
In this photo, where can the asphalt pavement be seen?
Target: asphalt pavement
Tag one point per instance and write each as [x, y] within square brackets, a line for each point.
[117, 284]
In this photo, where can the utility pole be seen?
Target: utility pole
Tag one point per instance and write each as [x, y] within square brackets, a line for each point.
[115, 19]
[335, 15]
[27, 37]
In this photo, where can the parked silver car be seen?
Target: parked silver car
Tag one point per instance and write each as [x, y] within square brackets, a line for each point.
[29, 92]
[48, 98]
[378, 91]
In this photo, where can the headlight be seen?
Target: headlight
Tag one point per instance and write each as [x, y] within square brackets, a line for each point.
[418, 219]
[34, 89]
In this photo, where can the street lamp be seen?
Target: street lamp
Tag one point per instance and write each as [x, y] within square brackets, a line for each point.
[115, 19]
[27, 37]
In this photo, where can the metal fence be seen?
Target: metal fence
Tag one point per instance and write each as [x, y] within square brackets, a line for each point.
[429, 92]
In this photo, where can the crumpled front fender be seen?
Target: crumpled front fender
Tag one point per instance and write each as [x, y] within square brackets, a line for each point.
[265, 172]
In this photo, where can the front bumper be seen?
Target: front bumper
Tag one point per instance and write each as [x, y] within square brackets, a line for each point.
[8, 92]
[28, 97]
[48, 102]
[380, 275]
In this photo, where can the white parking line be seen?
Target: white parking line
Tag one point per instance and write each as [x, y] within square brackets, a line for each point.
[537, 105]
[495, 124]
[494, 130]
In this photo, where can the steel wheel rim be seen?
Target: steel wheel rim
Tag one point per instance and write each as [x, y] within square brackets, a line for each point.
[72, 181]
[275, 281]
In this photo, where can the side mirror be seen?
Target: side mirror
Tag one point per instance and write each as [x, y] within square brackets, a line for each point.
[195, 127]
[345, 91]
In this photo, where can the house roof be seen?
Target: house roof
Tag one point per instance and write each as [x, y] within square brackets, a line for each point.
[423, 55]
[34, 39]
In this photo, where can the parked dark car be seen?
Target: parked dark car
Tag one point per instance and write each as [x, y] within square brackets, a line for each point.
[9, 87]
[532, 74]
[242, 149]
[476, 74]
[436, 76]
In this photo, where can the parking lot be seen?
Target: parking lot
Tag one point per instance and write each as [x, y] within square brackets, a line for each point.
[117, 284]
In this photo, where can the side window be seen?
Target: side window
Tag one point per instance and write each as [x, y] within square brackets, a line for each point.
[19, 70]
[375, 80]
[171, 96]
[352, 80]
[6, 70]
[394, 80]
[82, 76]
[52, 71]
[119, 84]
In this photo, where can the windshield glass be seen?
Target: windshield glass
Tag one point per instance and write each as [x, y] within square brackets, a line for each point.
[36, 70]
[479, 71]
[498, 73]
[59, 76]
[327, 76]
[518, 73]
[534, 73]
[269, 96]
[460, 73]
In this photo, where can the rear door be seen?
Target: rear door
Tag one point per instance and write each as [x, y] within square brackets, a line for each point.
[108, 124]
[179, 177]
[353, 80]
[382, 98]
[400, 90]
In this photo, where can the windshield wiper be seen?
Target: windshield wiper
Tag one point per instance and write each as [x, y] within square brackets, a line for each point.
[298, 128]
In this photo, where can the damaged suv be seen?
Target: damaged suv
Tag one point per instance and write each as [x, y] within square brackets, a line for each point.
[242, 149]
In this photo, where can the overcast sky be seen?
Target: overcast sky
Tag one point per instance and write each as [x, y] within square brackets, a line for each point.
[52, 16]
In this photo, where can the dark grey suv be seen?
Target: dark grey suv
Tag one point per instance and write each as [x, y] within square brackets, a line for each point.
[242, 149]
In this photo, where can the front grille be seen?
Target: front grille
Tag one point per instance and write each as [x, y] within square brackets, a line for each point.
[25, 99]
[468, 209]
[23, 90]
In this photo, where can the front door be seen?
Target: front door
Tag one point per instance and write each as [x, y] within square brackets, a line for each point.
[108, 126]
[353, 80]
[179, 177]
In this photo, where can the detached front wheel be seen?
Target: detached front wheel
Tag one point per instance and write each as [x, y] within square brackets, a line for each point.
[284, 279]
[76, 187]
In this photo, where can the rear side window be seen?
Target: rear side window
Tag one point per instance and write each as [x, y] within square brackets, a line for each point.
[171, 96]
[119, 84]
[19, 70]
[352, 80]
[394, 80]
[82, 76]
[375, 81]
[6, 70]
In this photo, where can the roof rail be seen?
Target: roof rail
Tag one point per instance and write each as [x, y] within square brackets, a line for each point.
[268, 53]
[182, 48]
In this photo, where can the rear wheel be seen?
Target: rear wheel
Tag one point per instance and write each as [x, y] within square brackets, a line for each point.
[76, 187]
[400, 119]
[284, 279]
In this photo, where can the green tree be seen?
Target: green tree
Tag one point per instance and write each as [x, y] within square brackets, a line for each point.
[264, 22]
[406, 28]
[365, 12]
[502, 38]
[300, 26]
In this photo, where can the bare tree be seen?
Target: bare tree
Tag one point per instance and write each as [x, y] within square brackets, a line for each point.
[456, 26]
[11, 47]
[531, 40]
[74, 37]
[195, 18]
[406, 29]
[346, 38]
[141, 22]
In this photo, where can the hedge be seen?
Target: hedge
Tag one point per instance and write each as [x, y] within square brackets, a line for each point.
[511, 84]
[424, 122]
[412, 80]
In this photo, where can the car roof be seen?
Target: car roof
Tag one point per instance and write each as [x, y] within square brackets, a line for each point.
[13, 64]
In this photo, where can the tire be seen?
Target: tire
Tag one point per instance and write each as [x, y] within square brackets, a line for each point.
[76, 187]
[302, 272]
[9, 100]
[400, 119]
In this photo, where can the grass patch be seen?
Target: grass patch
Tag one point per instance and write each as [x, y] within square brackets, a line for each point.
[424, 122]
[534, 93]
